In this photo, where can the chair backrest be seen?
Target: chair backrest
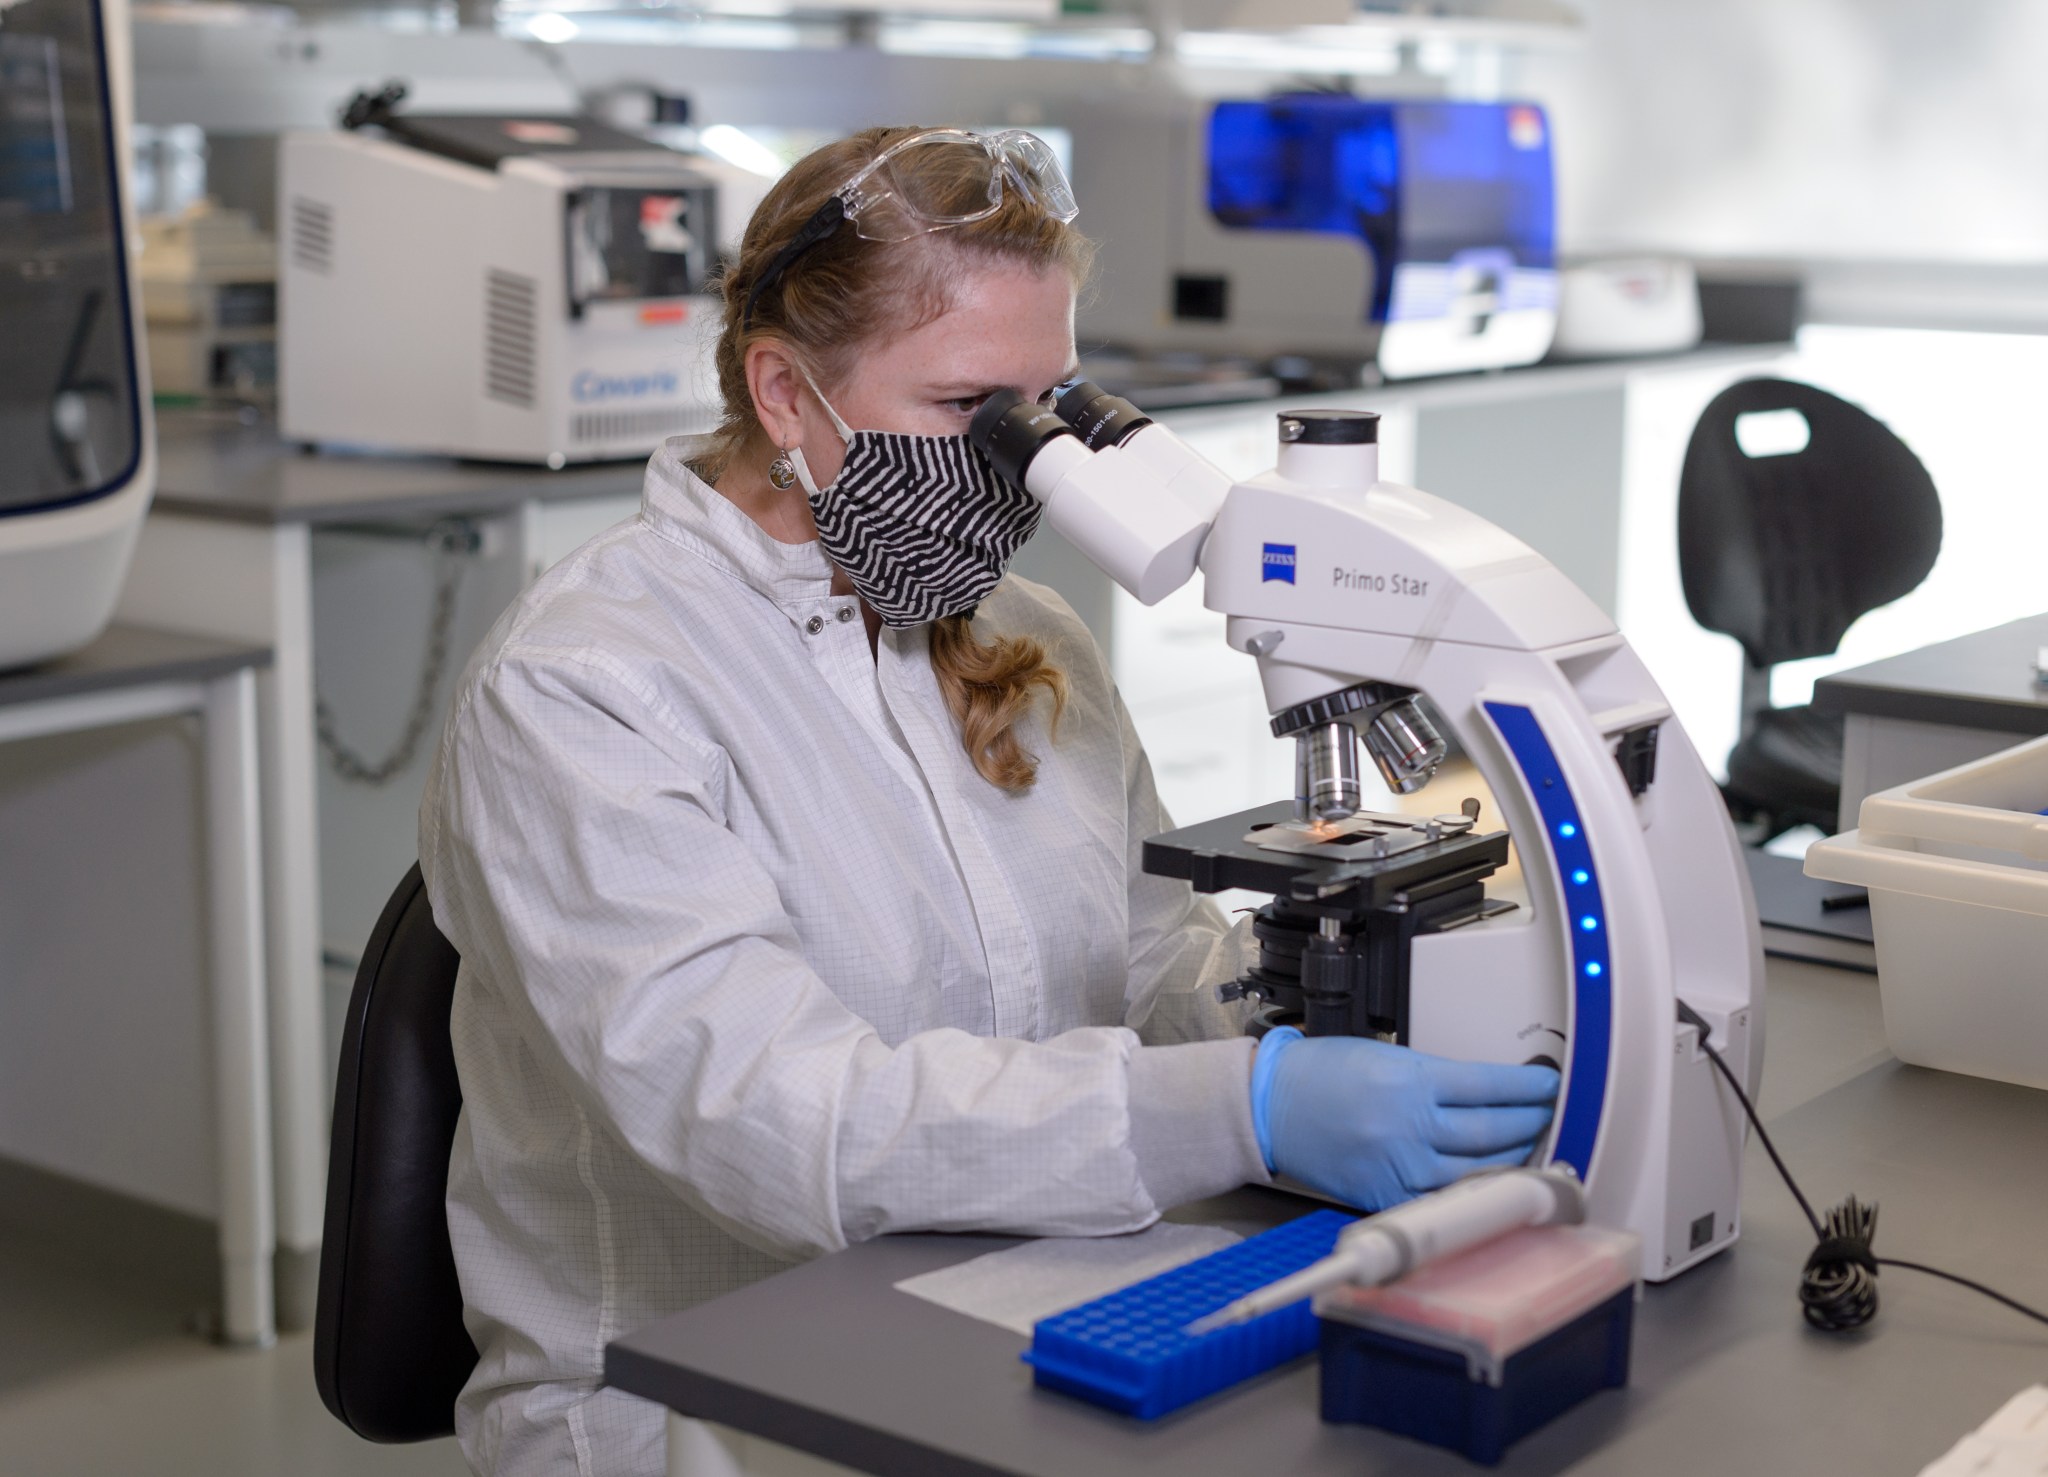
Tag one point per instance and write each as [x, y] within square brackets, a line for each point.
[1785, 552]
[390, 1352]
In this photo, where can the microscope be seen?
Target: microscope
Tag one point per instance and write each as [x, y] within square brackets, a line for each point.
[1385, 619]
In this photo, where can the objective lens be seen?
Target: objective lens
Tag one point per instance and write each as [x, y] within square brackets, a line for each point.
[1327, 760]
[1405, 746]
[1010, 430]
[1099, 418]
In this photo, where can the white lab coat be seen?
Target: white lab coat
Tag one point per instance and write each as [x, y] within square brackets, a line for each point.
[755, 965]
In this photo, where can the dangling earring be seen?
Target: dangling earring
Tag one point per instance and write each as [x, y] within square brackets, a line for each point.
[782, 473]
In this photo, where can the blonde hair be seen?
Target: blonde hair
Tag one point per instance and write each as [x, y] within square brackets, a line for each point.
[841, 294]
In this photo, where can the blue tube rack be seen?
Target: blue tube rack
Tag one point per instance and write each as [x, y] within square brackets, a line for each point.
[1131, 1351]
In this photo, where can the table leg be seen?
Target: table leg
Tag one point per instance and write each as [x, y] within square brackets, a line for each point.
[253, 582]
[241, 1064]
[301, 1056]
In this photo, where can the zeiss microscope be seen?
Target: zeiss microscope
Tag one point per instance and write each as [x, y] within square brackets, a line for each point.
[1376, 613]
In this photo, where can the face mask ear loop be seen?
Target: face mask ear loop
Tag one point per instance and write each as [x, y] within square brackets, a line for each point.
[796, 453]
[803, 470]
[845, 431]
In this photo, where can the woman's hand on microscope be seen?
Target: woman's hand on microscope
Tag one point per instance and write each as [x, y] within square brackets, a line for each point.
[1373, 1124]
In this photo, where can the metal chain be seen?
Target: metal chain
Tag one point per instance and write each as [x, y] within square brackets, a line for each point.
[453, 541]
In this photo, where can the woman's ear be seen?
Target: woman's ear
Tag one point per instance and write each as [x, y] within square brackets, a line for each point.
[774, 382]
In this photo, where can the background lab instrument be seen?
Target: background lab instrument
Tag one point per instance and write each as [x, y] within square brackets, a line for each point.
[1418, 235]
[77, 445]
[516, 288]
[1379, 612]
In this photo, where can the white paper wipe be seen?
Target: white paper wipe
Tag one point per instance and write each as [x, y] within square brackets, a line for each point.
[1017, 1287]
[2013, 1443]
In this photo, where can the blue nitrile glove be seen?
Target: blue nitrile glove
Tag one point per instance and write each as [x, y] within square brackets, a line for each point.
[1374, 1124]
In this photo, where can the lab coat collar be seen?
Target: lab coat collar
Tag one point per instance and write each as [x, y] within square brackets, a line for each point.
[685, 509]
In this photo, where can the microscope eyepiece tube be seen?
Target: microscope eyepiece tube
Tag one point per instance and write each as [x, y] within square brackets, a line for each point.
[1099, 418]
[1330, 448]
[1125, 511]
[1011, 431]
[1405, 746]
[1330, 769]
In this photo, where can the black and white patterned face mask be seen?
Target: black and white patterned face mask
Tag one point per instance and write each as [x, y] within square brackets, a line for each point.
[922, 525]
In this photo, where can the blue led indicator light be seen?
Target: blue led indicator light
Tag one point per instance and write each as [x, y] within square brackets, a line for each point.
[1582, 1105]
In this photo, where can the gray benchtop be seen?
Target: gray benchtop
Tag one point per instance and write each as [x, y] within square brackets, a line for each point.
[128, 656]
[1983, 680]
[1727, 1379]
[1197, 399]
[212, 466]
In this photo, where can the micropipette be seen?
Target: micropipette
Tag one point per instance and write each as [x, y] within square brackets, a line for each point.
[1385, 1246]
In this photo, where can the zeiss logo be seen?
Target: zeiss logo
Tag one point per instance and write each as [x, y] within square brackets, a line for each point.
[1278, 564]
[589, 385]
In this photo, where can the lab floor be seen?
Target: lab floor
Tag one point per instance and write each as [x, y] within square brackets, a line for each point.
[99, 1373]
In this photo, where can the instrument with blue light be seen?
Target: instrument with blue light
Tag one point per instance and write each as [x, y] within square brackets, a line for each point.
[1453, 201]
[1420, 234]
[1383, 616]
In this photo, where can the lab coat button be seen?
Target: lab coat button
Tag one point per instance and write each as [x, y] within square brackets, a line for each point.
[845, 614]
[815, 624]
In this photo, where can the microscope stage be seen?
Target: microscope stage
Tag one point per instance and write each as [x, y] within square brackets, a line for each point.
[1338, 870]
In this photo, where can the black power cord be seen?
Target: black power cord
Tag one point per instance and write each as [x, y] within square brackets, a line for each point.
[1838, 1287]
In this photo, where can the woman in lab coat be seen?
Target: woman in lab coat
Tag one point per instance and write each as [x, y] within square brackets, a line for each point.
[792, 850]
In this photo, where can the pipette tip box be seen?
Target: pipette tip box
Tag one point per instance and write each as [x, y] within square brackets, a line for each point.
[1476, 1351]
[1131, 1350]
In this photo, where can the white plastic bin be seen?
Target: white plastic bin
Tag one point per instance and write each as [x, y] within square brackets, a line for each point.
[1957, 867]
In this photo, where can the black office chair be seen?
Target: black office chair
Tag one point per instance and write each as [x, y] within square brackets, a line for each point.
[390, 1352]
[1785, 553]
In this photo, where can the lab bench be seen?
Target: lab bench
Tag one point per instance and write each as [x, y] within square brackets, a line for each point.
[130, 675]
[832, 1359]
[1924, 711]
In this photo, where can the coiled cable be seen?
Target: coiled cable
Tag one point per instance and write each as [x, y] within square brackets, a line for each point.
[1838, 1286]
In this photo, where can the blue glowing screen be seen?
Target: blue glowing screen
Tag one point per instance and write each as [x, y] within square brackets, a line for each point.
[1417, 181]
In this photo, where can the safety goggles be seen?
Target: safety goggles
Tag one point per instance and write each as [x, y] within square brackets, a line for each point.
[928, 182]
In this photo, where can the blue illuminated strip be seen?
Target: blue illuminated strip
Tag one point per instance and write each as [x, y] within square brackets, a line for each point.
[1585, 1088]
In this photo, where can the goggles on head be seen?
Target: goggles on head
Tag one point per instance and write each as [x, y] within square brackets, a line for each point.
[910, 189]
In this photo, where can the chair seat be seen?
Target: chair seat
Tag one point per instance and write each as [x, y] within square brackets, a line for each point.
[1791, 765]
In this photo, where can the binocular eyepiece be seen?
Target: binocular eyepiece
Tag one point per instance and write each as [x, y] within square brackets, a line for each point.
[1010, 430]
[1134, 498]
[1099, 418]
